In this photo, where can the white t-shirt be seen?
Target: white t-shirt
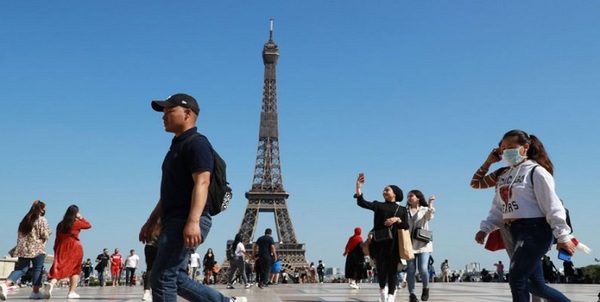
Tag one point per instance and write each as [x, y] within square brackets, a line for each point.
[132, 261]
[240, 249]
[195, 260]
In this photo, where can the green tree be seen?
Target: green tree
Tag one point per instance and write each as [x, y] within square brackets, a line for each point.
[593, 271]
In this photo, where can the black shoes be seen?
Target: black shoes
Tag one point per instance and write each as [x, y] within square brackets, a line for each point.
[413, 298]
[425, 294]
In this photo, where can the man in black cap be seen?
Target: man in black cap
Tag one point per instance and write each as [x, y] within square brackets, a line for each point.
[184, 219]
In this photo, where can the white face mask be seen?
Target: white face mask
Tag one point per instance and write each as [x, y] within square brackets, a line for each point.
[512, 156]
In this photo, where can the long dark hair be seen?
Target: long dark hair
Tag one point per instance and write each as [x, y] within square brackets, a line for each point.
[38, 208]
[536, 149]
[420, 196]
[67, 223]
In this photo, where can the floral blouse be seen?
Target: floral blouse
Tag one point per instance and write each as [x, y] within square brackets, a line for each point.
[33, 244]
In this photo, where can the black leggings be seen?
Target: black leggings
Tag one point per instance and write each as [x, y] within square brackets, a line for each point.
[386, 263]
[150, 255]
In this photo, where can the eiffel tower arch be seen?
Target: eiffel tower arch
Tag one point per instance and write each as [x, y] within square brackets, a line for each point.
[267, 194]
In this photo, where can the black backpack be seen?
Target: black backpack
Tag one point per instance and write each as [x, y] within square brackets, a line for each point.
[219, 192]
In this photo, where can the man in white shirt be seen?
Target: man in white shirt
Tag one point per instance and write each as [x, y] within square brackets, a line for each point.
[131, 263]
[194, 263]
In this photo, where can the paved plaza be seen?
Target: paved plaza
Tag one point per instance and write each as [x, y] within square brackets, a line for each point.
[440, 292]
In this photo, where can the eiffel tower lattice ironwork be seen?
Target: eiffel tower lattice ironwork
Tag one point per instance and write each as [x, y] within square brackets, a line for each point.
[267, 193]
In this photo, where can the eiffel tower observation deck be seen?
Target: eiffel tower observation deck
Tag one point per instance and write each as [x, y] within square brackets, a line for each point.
[267, 194]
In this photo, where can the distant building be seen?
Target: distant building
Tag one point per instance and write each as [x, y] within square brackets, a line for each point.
[332, 273]
[473, 267]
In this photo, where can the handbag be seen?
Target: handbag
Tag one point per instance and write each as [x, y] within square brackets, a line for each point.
[383, 235]
[422, 234]
[365, 246]
[494, 241]
[405, 245]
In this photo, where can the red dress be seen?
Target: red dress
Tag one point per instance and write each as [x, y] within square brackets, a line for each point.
[68, 252]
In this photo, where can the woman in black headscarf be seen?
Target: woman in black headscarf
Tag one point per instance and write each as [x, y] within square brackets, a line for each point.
[387, 215]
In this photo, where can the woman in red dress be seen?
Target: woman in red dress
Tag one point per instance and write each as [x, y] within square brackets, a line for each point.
[68, 252]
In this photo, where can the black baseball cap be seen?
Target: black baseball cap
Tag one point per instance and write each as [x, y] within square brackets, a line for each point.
[180, 99]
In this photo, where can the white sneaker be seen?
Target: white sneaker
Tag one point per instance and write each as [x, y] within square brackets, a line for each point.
[248, 285]
[354, 285]
[48, 287]
[147, 296]
[239, 299]
[73, 295]
[3, 291]
[383, 294]
[391, 298]
[36, 296]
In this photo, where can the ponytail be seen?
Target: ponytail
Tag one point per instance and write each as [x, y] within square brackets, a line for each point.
[538, 153]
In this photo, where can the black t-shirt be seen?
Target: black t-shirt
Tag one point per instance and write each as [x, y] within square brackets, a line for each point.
[103, 258]
[187, 155]
[264, 243]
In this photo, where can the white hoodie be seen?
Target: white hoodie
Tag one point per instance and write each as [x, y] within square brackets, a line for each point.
[517, 197]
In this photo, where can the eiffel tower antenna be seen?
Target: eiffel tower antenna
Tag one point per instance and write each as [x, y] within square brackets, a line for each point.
[267, 194]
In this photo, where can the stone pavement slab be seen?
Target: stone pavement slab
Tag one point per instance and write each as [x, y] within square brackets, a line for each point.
[328, 292]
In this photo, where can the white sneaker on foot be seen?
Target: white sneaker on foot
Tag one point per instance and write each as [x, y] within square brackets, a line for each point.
[73, 295]
[3, 291]
[239, 299]
[147, 296]
[36, 296]
[383, 294]
[48, 290]
[391, 298]
[248, 285]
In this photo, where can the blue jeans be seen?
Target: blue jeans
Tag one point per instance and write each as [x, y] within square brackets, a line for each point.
[101, 277]
[22, 267]
[421, 261]
[531, 240]
[169, 276]
[129, 273]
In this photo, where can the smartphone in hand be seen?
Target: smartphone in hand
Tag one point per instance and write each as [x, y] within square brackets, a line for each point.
[563, 255]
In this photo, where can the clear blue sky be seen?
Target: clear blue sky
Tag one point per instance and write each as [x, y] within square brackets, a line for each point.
[411, 93]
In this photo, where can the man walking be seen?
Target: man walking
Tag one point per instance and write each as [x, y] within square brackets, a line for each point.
[131, 263]
[181, 209]
[102, 261]
[266, 256]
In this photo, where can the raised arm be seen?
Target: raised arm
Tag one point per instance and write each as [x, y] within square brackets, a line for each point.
[482, 181]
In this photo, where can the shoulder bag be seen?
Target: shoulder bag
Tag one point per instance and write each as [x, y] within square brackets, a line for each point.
[384, 234]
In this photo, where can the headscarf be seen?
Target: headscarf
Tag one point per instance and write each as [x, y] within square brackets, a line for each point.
[397, 192]
[353, 241]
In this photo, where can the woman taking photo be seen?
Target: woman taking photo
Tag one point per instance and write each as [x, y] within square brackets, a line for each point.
[386, 215]
[68, 252]
[32, 236]
[525, 200]
[420, 212]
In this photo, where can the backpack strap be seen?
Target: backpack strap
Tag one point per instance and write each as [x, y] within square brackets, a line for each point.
[532, 170]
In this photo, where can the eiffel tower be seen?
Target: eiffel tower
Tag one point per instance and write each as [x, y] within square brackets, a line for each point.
[267, 193]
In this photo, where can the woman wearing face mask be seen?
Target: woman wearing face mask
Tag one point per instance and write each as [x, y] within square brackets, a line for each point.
[387, 214]
[534, 214]
[420, 212]
[482, 181]
[32, 236]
